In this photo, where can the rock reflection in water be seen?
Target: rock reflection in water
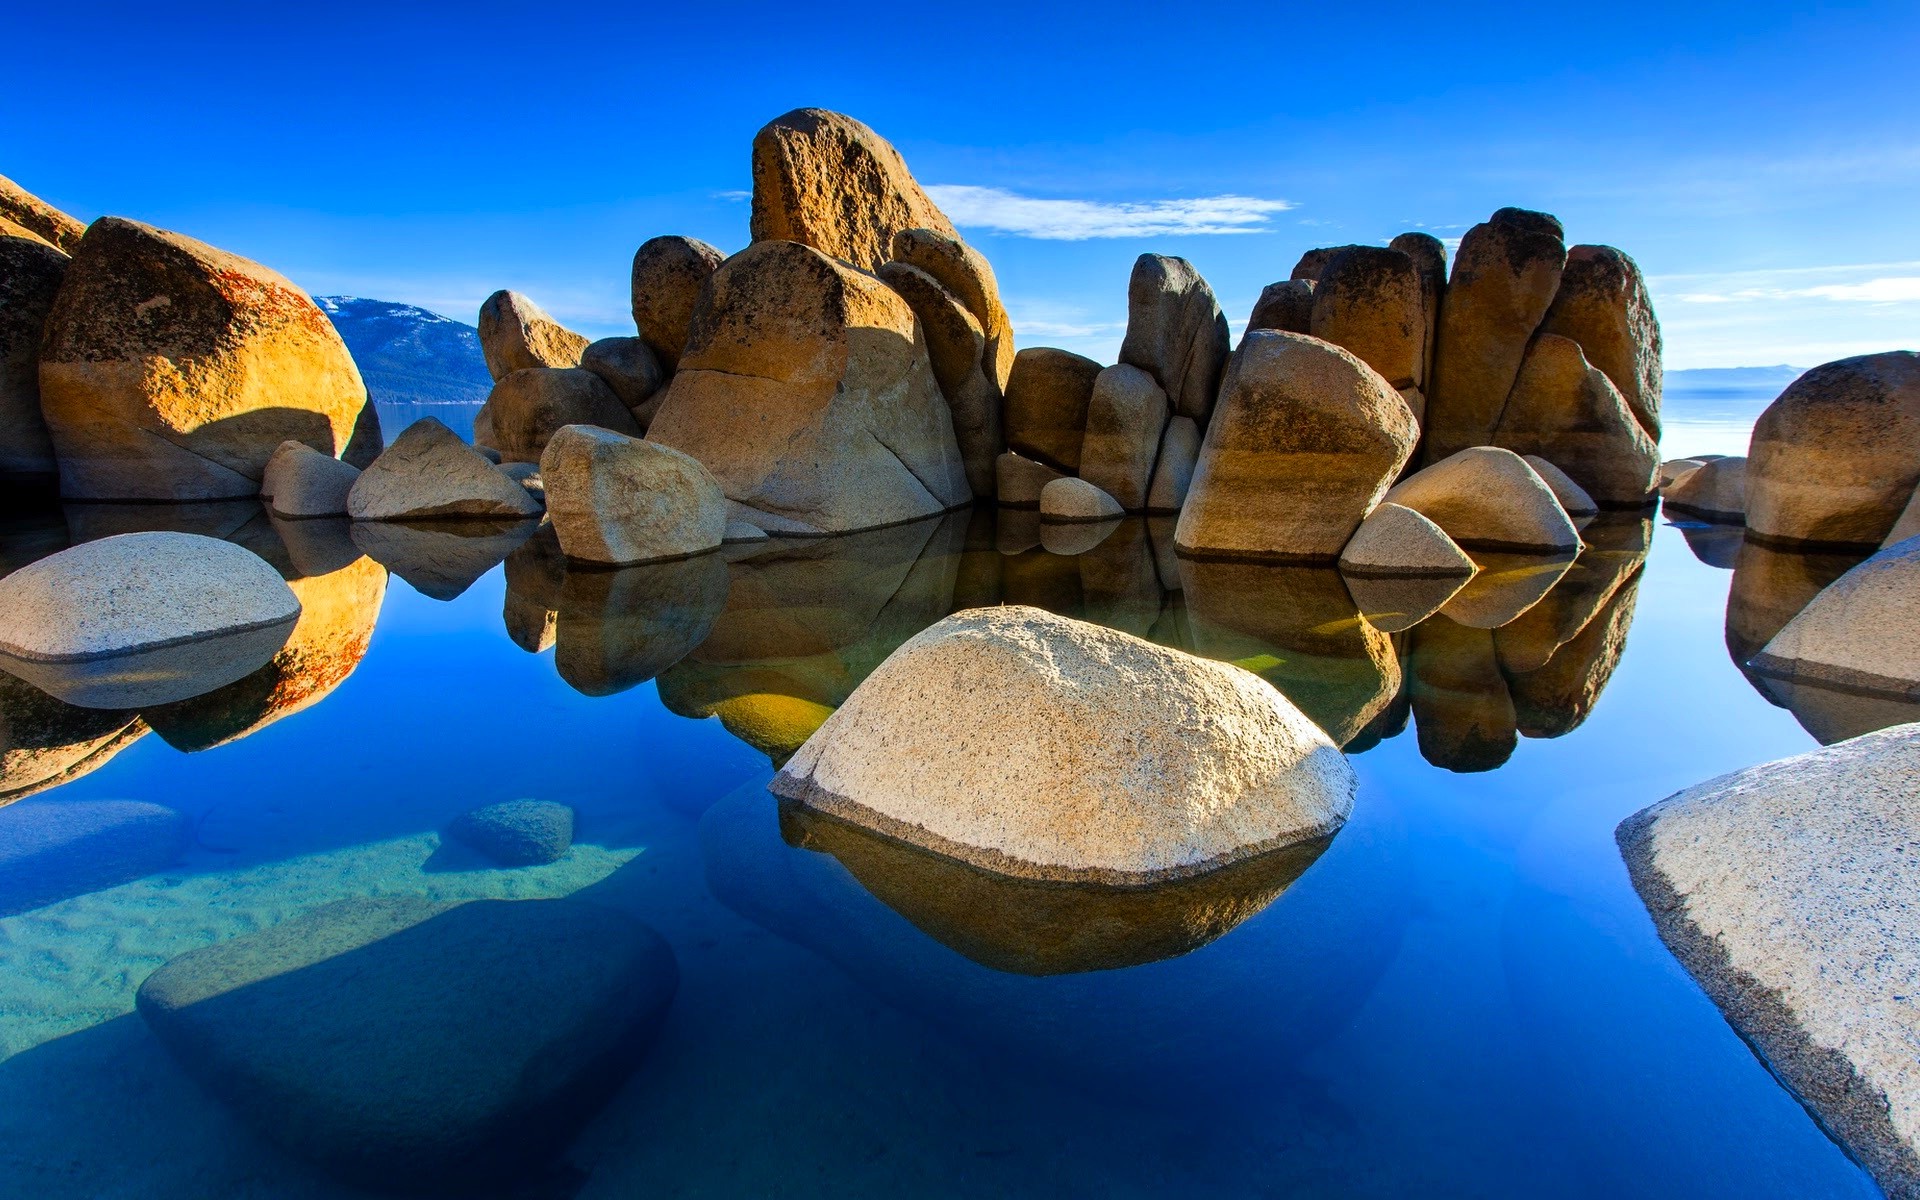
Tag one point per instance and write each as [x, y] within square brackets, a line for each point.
[1770, 586]
[1616, 546]
[441, 559]
[1557, 698]
[1394, 604]
[1462, 710]
[615, 629]
[1507, 586]
[45, 742]
[1715, 545]
[1031, 927]
[536, 578]
[1832, 713]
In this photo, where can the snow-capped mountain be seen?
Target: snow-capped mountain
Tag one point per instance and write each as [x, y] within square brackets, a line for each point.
[416, 363]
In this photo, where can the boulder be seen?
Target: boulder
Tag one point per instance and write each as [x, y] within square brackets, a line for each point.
[527, 474]
[1176, 332]
[619, 500]
[1572, 497]
[30, 274]
[1674, 468]
[171, 370]
[1789, 892]
[807, 391]
[1565, 410]
[1908, 524]
[1315, 261]
[1714, 491]
[299, 481]
[668, 273]
[1125, 418]
[414, 1045]
[1116, 761]
[1504, 278]
[1173, 469]
[1286, 306]
[1835, 458]
[35, 216]
[45, 743]
[824, 180]
[1602, 304]
[142, 618]
[1018, 480]
[517, 833]
[527, 406]
[1397, 541]
[1487, 498]
[1861, 633]
[517, 335]
[1075, 500]
[1368, 301]
[1046, 405]
[1306, 439]
[53, 850]
[964, 272]
[429, 473]
[442, 559]
[1770, 586]
[1429, 257]
[627, 366]
[955, 348]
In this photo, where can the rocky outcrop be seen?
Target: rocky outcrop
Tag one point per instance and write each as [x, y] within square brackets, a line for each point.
[527, 406]
[1173, 469]
[517, 335]
[1504, 278]
[1176, 333]
[1019, 480]
[825, 180]
[668, 273]
[1397, 541]
[30, 274]
[1125, 418]
[627, 366]
[172, 371]
[1602, 304]
[618, 500]
[1487, 498]
[1286, 306]
[1120, 762]
[1368, 301]
[429, 473]
[807, 391]
[517, 833]
[1835, 458]
[1861, 633]
[1787, 891]
[35, 217]
[964, 272]
[1565, 410]
[1714, 491]
[1073, 501]
[1046, 405]
[1430, 260]
[956, 347]
[302, 482]
[1306, 439]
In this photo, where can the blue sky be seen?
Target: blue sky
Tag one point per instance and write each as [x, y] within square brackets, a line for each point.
[1760, 161]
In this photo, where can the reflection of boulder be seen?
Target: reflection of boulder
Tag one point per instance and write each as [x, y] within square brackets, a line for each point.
[1858, 634]
[1770, 586]
[1616, 546]
[1554, 699]
[45, 742]
[1834, 714]
[1507, 586]
[1297, 628]
[441, 559]
[319, 546]
[1715, 545]
[406, 1044]
[1119, 584]
[1461, 708]
[52, 850]
[1033, 927]
[536, 577]
[620, 628]
[1393, 605]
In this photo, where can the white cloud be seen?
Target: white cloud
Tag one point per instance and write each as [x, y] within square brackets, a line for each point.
[1801, 314]
[733, 194]
[1886, 289]
[1077, 220]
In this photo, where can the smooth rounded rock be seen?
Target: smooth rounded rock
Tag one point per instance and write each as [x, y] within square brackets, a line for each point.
[965, 273]
[528, 405]
[1565, 410]
[619, 500]
[1714, 491]
[627, 366]
[428, 473]
[1046, 405]
[517, 833]
[1489, 499]
[956, 345]
[55, 849]
[668, 273]
[1070, 500]
[302, 482]
[1572, 497]
[1286, 306]
[1173, 470]
[1176, 332]
[1602, 304]
[1125, 417]
[1861, 632]
[1397, 541]
[1019, 480]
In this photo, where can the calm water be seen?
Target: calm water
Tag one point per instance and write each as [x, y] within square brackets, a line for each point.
[1461, 997]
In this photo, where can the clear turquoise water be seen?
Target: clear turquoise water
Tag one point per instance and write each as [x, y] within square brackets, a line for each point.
[1461, 997]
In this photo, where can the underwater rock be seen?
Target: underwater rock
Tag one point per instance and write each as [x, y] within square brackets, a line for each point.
[53, 850]
[668, 273]
[1397, 541]
[1714, 491]
[428, 473]
[1860, 633]
[517, 335]
[517, 833]
[1075, 500]
[1046, 405]
[618, 500]
[299, 481]
[441, 559]
[404, 1044]
[528, 406]
[1487, 498]
[1125, 418]
[617, 629]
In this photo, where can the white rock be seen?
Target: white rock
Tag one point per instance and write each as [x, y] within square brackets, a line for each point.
[1716, 490]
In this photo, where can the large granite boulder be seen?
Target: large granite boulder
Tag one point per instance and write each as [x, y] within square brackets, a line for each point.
[142, 618]
[1835, 458]
[618, 500]
[1286, 306]
[1574, 499]
[1714, 491]
[428, 473]
[826, 181]
[668, 273]
[963, 271]
[1125, 418]
[32, 215]
[1306, 439]
[1789, 892]
[30, 274]
[517, 833]
[1487, 498]
[1429, 257]
[1396, 541]
[956, 346]
[1046, 405]
[1114, 761]
[1173, 469]
[528, 405]
[1368, 301]
[56, 849]
[1072, 501]
[516, 334]
[1861, 633]
[414, 1045]
[172, 371]
[627, 366]
[1567, 411]
[1176, 332]
[302, 482]
[1018, 480]
[1310, 264]
[1504, 278]
[1602, 304]
[807, 391]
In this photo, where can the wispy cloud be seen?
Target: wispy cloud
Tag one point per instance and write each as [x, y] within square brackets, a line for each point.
[733, 194]
[1077, 220]
[1886, 289]
[1797, 314]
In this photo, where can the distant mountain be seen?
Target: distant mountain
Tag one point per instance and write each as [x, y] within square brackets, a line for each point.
[416, 363]
[1732, 379]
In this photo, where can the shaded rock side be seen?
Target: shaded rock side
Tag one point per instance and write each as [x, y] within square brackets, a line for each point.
[668, 273]
[46, 742]
[1176, 333]
[172, 371]
[1573, 498]
[30, 274]
[1714, 491]
[1019, 480]
[963, 271]
[1565, 410]
[1602, 304]
[527, 406]
[1286, 306]
[1429, 257]
[807, 391]
[618, 500]
[302, 482]
[1173, 469]
[35, 216]
[626, 365]
[956, 346]
[516, 335]
[430, 473]
[1046, 405]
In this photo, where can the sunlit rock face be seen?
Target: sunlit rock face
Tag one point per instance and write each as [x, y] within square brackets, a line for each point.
[1715, 492]
[517, 335]
[171, 370]
[1602, 304]
[429, 474]
[1567, 411]
[1488, 498]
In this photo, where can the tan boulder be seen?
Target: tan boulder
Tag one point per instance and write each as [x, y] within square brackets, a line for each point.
[620, 500]
[1176, 332]
[668, 273]
[1674, 468]
[528, 405]
[1836, 457]
[963, 271]
[1125, 418]
[1565, 410]
[30, 274]
[1504, 278]
[1286, 306]
[1019, 480]
[625, 365]
[516, 334]
[1368, 301]
[37, 218]
[807, 391]
[1861, 633]
[1306, 439]
[429, 473]
[172, 371]
[1573, 498]
[1487, 498]
[1602, 304]
[1075, 501]
[1770, 586]
[825, 180]
[956, 347]
[1173, 470]
[302, 482]
[1397, 541]
[1046, 405]
[1715, 491]
[1430, 260]
[1314, 261]
[1908, 524]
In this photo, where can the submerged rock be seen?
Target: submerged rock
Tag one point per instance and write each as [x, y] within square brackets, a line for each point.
[1105, 746]
[1714, 491]
[1487, 498]
[825, 180]
[405, 1044]
[1176, 333]
[30, 274]
[668, 273]
[518, 833]
[302, 482]
[1046, 405]
[619, 500]
[428, 473]
[517, 335]
[1788, 891]
[1861, 633]
[53, 850]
